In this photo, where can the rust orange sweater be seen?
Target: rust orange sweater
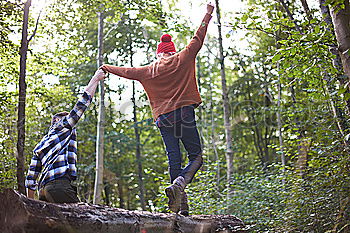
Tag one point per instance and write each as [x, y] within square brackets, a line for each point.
[170, 83]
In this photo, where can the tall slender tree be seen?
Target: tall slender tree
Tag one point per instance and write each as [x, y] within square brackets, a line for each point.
[226, 105]
[279, 121]
[136, 127]
[101, 119]
[22, 98]
[138, 149]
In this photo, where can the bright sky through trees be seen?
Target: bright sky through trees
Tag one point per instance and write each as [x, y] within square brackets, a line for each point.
[192, 11]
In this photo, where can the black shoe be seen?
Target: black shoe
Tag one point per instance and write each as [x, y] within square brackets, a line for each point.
[184, 210]
[173, 192]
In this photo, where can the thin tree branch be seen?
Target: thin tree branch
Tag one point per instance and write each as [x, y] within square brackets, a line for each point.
[290, 15]
[36, 27]
[209, 50]
[115, 25]
[306, 9]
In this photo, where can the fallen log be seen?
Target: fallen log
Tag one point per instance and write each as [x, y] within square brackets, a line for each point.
[19, 214]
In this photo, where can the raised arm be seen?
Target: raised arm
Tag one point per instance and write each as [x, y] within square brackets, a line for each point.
[197, 41]
[91, 87]
[84, 102]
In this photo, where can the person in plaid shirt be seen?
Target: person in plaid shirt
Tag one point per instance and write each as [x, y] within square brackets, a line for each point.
[54, 157]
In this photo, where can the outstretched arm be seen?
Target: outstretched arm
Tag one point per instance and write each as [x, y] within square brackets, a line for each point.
[133, 73]
[80, 107]
[91, 87]
[197, 41]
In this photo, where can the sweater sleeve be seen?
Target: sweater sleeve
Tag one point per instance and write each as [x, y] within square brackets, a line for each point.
[197, 41]
[133, 73]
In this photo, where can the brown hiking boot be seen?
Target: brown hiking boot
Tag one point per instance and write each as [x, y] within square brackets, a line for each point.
[184, 210]
[173, 192]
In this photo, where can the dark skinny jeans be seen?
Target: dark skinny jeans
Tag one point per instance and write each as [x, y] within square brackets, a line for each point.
[182, 127]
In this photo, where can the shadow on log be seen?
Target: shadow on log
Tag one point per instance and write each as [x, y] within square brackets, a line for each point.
[18, 214]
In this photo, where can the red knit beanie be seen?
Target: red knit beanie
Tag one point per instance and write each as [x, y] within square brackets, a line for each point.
[166, 45]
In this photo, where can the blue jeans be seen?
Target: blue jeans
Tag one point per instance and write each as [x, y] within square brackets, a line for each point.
[183, 128]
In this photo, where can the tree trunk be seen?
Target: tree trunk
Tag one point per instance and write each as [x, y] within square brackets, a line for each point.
[341, 20]
[107, 190]
[302, 142]
[22, 100]
[20, 214]
[279, 123]
[137, 136]
[213, 134]
[226, 105]
[101, 120]
[328, 20]
[200, 108]
[306, 9]
[337, 62]
[138, 151]
[338, 112]
[303, 148]
[120, 191]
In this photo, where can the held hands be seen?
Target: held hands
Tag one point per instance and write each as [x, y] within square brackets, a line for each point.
[104, 68]
[99, 75]
[210, 8]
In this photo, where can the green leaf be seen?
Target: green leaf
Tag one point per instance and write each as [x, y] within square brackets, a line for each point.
[276, 57]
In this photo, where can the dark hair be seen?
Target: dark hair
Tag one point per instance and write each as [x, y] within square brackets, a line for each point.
[59, 116]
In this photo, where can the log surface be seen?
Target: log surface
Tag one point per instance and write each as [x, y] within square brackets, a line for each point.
[19, 214]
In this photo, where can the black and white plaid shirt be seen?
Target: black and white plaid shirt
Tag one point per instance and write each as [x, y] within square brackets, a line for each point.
[56, 154]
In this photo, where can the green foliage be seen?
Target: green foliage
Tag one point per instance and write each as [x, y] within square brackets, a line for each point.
[308, 194]
[9, 17]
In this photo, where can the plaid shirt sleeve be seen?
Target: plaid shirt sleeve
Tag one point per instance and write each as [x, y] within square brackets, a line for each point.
[78, 110]
[33, 172]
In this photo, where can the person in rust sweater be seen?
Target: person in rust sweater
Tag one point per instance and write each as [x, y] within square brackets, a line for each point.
[171, 86]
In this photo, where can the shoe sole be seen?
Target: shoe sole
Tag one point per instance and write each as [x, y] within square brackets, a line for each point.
[174, 205]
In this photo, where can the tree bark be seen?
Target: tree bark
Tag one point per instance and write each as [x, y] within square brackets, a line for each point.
[22, 100]
[200, 108]
[137, 135]
[290, 15]
[337, 63]
[279, 122]
[120, 191]
[213, 134]
[327, 18]
[138, 151]
[306, 9]
[20, 214]
[101, 120]
[303, 158]
[226, 105]
[341, 20]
